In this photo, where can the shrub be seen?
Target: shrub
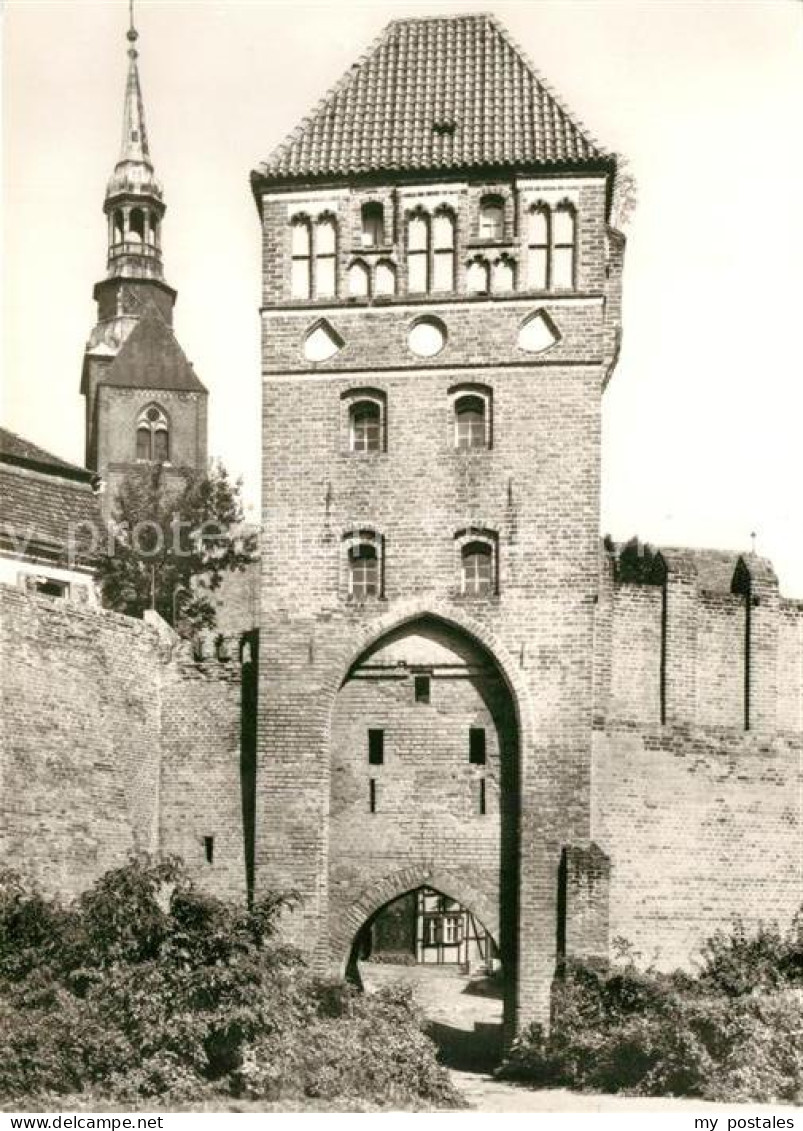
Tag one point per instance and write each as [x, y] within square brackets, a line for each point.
[732, 1032]
[145, 988]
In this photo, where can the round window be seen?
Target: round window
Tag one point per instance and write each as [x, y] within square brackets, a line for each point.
[427, 337]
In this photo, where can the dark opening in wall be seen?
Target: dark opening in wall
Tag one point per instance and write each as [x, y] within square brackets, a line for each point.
[47, 586]
[421, 683]
[372, 794]
[476, 746]
[482, 797]
[209, 849]
[376, 747]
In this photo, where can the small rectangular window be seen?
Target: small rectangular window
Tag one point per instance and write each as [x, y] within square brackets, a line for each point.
[376, 747]
[476, 746]
[47, 586]
[372, 795]
[209, 848]
[421, 683]
[482, 797]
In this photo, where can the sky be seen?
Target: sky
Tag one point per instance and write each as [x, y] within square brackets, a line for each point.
[702, 423]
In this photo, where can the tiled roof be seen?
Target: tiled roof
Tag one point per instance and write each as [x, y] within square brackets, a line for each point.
[443, 93]
[151, 358]
[17, 450]
[44, 511]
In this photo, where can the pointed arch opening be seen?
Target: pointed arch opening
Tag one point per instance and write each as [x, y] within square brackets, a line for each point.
[429, 818]
[152, 435]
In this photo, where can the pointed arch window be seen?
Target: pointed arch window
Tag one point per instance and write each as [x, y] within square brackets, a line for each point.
[325, 257]
[153, 435]
[359, 279]
[385, 278]
[118, 227]
[443, 243]
[418, 233]
[563, 247]
[301, 258]
[504, 275]
[552, 247]
[538, 243]
[478, 276]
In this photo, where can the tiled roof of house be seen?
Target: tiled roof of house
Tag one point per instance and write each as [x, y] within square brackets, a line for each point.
[151, 358]
[443, 93]
[47, 504]
[17, 450]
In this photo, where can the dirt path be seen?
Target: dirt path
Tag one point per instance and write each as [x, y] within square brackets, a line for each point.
[466, 1021]
[488, 1095]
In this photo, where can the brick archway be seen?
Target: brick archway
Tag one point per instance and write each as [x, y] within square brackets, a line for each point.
[346, 923]
[406, 612]
[351, 902]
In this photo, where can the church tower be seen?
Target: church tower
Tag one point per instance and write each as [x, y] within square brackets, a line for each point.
[441, 314]
[144, 403]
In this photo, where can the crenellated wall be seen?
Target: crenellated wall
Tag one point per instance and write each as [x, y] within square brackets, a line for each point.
[698, 746]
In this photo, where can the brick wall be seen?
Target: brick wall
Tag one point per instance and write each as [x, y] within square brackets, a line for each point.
[701, 817]
[700, 826]
[201, 783]
[111, 743]
[81, 716]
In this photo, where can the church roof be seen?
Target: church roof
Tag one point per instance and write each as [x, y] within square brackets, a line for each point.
[151, 358]
[439, 93]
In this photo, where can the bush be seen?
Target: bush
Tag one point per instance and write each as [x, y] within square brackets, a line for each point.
[145, 988]
[732, 1032]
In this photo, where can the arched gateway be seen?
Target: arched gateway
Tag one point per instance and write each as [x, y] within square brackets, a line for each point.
[424, 752]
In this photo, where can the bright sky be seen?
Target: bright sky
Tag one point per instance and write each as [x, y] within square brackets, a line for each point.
[702, 436]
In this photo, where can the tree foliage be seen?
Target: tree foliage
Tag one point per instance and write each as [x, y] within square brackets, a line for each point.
[172, 545]
[146, 988]
[731, 1032]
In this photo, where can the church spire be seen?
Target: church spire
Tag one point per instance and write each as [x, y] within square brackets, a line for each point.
[135, 137]
[134, 204]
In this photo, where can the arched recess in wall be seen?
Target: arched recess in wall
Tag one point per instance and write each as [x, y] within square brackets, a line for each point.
[424, 736]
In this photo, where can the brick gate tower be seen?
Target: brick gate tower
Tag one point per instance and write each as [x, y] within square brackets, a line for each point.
[441, 305]
[144, 402]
